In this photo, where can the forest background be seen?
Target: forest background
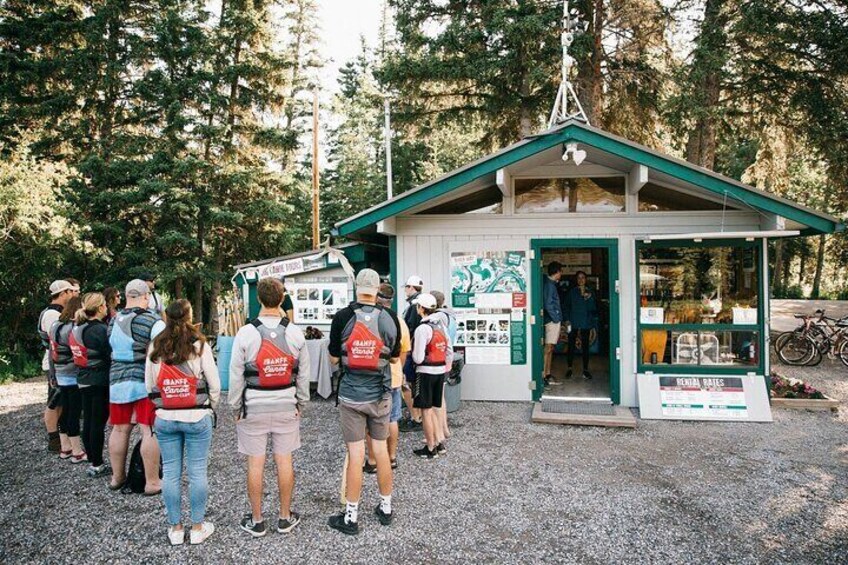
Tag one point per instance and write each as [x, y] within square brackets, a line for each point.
[174, 135]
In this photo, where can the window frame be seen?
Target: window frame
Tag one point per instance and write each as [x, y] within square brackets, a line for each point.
[759, 327]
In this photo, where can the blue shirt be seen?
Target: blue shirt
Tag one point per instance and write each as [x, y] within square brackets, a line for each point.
[580, 311]
[126, 376]
[551, 305]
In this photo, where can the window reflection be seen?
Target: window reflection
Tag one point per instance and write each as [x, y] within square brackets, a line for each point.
[572, 195]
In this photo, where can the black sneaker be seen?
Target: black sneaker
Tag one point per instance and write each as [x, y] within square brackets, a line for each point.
[425, 453]
[54, 445]
[587, 375]
[337, 522]
[285, 526]
[409, 425]
[384, 518]
[255, 529]
[568, 374]
[394, 464]
[100, 471]
[441, 449]
[369, 468]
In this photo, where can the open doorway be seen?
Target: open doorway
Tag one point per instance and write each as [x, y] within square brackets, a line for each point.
[580, 360]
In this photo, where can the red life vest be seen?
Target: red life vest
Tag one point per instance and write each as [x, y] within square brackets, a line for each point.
[437, 348]
[178, 388]
[78, 350]
[60, 351]
[275, 366]
[363, 349]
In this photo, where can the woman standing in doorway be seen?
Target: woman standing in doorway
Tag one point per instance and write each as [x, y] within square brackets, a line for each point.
[183, 383]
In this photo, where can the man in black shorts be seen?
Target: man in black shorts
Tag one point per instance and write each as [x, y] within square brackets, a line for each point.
[431, 353]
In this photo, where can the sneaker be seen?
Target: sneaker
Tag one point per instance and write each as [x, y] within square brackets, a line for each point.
[337, 522]
[394, 464]
[551, 381]
[54, 445]
[409, 425]
[441, 449]
[569, 373]
[81, 458]
[587, 375]
[369, 468]
[425, 453]
[100, 471]
[175, 536]
[255, 529]
[199, 536]
[64, 455]
[285, 526]
[384, 518]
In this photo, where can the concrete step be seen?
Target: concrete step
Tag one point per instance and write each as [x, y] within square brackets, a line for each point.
[623, 418]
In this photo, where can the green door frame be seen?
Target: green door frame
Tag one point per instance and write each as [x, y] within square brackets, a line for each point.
[537, 329]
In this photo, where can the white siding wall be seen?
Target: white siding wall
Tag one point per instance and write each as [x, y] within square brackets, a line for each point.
[424, 244]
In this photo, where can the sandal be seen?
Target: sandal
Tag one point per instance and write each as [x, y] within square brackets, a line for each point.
[153, 493]
[118, 486]
[63, 455]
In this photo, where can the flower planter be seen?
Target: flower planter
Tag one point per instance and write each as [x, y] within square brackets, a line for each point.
[825, 403]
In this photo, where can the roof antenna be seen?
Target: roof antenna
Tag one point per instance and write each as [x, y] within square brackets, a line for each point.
[571, 25]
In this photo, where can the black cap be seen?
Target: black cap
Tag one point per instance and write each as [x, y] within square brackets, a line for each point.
[147, 276]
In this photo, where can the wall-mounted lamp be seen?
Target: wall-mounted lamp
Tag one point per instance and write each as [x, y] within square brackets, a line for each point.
[578, 155]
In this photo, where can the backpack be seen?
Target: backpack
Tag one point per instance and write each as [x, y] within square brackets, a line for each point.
[136, 478]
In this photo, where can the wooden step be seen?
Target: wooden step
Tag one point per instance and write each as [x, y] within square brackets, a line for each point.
[623, 418]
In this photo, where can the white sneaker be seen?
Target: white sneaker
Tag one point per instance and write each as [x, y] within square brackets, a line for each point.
[175, 536]
[199, 536]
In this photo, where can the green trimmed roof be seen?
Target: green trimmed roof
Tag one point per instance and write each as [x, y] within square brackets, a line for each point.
[576, 131]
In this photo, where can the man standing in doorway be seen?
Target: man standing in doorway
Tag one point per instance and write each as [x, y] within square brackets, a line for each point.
[365, 337]
[552, 314]
[60, 292]
[580, 310]
[414, 286]
[269, 384]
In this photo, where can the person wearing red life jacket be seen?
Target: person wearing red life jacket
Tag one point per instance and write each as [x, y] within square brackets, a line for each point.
[66, 372]
[60, 292]
[365, 339]
[269, 385]
[92, 354]
[183, 384]
[431, 352]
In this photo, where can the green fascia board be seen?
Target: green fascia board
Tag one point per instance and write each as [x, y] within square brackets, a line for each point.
[702, 179]
[601, 140]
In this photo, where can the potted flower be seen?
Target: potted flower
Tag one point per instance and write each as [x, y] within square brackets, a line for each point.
[794, 393]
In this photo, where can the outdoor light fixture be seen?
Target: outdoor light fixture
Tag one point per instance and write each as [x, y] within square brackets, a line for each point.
[578, 155]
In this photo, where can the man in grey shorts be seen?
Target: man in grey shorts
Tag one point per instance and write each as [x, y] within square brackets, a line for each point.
[365, 338]
[269, 383]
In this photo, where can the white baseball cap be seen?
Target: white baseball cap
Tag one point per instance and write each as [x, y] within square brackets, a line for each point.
[426, 300]
[414, 280]
[61, 285]
[136, 288]
[367, 282]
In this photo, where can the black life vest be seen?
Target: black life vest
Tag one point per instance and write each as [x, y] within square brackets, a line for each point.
[60, 349]
[42, 333]
[84, 357]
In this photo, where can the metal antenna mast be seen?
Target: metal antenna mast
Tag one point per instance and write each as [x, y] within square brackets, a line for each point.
[567, 106]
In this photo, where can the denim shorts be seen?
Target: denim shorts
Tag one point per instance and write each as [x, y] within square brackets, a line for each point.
[397, 405]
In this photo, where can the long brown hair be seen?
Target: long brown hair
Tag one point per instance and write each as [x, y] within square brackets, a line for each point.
[70, 309]
[175, 345]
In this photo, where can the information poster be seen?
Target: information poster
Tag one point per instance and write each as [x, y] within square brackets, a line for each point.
[693, 397]
[489, 296]
[317, 302]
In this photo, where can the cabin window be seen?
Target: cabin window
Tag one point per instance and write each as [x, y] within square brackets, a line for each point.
[655, 198]
[700, 305]
[569, 195]
[486, 201]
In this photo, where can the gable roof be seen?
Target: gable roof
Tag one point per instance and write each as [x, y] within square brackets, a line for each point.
[576, 131]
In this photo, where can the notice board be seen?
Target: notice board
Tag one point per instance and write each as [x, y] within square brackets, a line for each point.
[730, 398]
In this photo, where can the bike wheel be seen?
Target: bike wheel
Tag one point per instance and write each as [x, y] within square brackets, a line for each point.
[795, 348]
[843, 352]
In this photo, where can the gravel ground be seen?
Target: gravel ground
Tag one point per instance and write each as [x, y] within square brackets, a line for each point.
[508, 491]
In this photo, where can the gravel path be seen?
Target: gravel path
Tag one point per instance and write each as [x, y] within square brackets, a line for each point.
[508, 491]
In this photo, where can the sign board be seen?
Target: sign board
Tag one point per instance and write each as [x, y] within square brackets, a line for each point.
[745, 316]
[317, 302]
[489, 296]
[651, 315]
[715, 397]
[293, 266]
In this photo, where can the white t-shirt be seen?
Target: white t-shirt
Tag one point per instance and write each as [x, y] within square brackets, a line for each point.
[47, 320]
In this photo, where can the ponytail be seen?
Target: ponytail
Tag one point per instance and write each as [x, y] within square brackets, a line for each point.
[91, 303]
[80, 317]
[175, 344]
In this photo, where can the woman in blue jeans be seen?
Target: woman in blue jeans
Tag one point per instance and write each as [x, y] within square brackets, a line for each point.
[183, 383]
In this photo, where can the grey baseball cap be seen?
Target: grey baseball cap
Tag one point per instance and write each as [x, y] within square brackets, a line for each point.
[136, 288]
[367, 282]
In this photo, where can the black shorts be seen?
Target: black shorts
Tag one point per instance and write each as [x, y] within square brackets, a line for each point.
[54, 393]
[427, 390]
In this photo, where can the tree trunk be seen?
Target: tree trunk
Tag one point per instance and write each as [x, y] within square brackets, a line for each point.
[589, 77]
[777, 275]
[178, 288]
[802, 267]
[198, 300]
[819, 268]
[215, 293]
[526, 113]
